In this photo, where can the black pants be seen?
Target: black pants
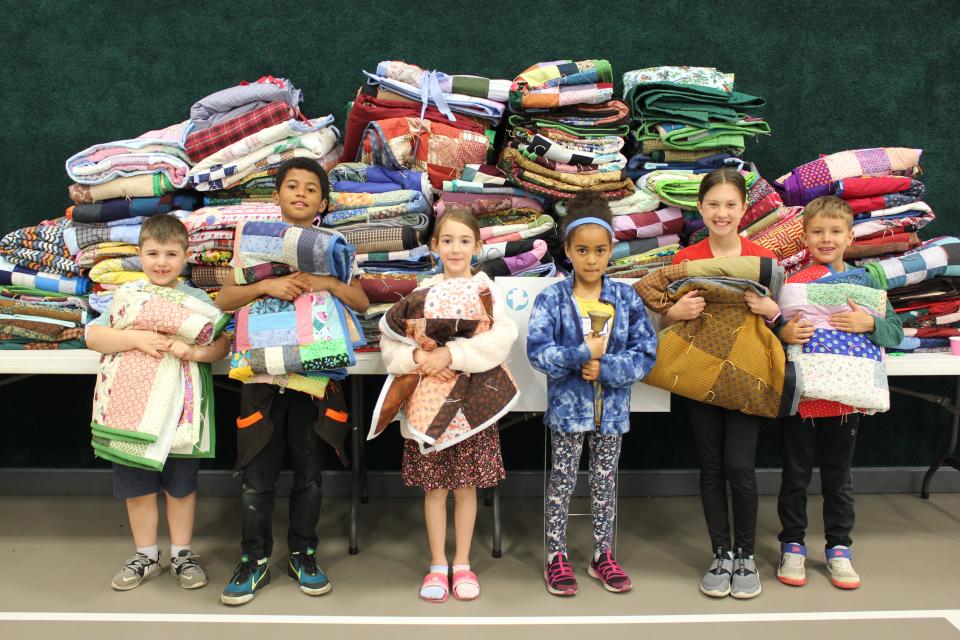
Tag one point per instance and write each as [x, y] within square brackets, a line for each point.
[727, 446]
[293, 415]
[829, 443]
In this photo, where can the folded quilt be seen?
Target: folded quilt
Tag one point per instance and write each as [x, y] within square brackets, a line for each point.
[11, 274]
[608, 118]
[80, 236]
[154, 152]
[439, 150]
[905, 218]
[447, 103]
[247, 96]
[389, 287]
[517, 264]
[784, 236]
[39, 321]
[649, 224]
[122, 270]
[313, 139]
[626, 248]
[140, 186]
[816, 178]
[92, 255]
[205, 142]
[557, 185]
[590, 152]
[503, 233]
[476, 86]
[937, 257]
[879, 192]
[698, 106]
[550, 85]
[762, 198]
[358, 177]
[351, 207]
[210, 276]
[372, 239]
[699, 76]
[41, 248]
[882, 245]
[268, 249]
[837, 366]
[436, 413]
[312, 335]
[147, 408]
[727, 356]
[485, 205]
[123, 208]
[367, 108]
[229, 216]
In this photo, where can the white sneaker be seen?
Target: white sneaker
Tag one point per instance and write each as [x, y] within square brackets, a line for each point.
[841, 570]
[791, 571]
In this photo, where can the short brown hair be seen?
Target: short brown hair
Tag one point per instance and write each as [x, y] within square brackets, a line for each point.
[586, 204]
[165, 229]
[829, 207]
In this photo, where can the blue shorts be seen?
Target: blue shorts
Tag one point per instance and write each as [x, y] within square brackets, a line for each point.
[178, 478]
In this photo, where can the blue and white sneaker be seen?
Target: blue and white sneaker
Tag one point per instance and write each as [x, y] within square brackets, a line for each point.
[791, 570]
[249, 577]
[303, 568]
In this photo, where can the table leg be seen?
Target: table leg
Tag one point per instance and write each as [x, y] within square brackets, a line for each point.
[356, 444]
[947, 455]
[497, 522]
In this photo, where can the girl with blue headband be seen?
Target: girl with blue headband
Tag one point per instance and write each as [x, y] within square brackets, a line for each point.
[592, 338]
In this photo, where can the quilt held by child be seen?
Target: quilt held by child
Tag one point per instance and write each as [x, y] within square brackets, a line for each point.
[147, 408]
[434, 412]
[727, 356]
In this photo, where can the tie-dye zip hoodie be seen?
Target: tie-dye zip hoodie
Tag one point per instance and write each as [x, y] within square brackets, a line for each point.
[555, 346]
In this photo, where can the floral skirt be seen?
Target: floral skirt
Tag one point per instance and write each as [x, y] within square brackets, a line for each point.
[475, 461]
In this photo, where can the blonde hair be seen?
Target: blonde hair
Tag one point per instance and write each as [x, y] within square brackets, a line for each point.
[828, 207]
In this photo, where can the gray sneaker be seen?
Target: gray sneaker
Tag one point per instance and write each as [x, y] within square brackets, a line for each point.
[187, 571]
[745, 583]
[137, 569]
[716, 582]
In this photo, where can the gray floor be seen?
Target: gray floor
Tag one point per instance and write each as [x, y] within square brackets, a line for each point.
[59, 554]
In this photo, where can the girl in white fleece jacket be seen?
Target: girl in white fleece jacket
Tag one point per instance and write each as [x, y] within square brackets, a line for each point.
[471, 463]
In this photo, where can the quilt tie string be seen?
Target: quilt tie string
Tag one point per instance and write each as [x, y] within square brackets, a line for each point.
[430, 90]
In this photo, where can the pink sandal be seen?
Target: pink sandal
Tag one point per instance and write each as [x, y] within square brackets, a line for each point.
[435, 579]
[463, 578]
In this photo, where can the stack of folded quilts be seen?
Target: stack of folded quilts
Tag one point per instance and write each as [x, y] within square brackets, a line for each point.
[36, 319]
[385, 214]
[407, 117]
[232, 102]
[518, 237]
[879, 185]
[566, 133]
[924, 288]
[689, 115]
[149, 165]
[688, 121]
[212, 233]
[248, 161]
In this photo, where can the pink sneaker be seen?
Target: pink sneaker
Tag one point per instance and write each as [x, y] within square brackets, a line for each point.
[559, 577]
[609, 572]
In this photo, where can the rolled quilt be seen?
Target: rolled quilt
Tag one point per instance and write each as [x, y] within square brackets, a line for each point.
[267, 249]
[123, 208]
[436, 413]
[727, 356]
[650, 224]
[476, 86]
[140, 186]
[15, 275]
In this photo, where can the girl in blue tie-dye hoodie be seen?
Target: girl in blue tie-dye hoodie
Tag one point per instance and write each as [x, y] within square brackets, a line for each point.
[588, 385]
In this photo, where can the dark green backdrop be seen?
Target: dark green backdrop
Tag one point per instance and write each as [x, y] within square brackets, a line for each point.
[835, 76]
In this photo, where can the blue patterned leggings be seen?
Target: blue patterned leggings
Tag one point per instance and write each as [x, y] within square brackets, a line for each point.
[604, 456]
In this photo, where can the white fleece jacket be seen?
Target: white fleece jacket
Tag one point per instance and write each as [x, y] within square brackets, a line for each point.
[482, 352]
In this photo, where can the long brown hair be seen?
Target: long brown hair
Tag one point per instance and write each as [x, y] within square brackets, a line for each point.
[725, 175]
[464, 217]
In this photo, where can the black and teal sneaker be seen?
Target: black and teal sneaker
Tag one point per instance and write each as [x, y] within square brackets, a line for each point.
[303, 568]
[249, 577]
